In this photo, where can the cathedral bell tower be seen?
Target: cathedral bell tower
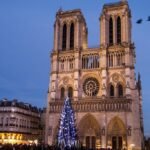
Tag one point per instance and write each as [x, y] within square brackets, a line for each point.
[70, 38]
[70, 31]
[116, 41]
[115, 22]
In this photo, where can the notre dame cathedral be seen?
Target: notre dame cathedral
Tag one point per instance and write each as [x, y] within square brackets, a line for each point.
[100, 82]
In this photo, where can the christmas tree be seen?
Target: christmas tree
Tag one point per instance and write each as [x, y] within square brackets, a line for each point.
[67, 134]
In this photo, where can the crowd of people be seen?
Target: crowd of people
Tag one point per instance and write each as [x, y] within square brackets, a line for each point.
[39, 147]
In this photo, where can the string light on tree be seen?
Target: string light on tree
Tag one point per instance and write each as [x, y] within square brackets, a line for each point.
[67, 134]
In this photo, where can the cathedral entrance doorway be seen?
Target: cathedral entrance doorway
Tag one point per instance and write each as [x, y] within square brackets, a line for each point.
[89, 132]
[116, 136]
[90, 142]
[116, 143]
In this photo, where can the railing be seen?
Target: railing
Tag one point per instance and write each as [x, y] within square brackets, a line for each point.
[109, 105]
[17, 110]
[30, 130]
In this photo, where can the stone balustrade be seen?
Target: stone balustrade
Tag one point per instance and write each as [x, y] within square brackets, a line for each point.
[109, 105]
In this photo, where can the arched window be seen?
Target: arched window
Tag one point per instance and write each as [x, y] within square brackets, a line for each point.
[120, 90]
[71, 64]
[62, 65]
[90, 61]
[62, 94]
[119, 60]
[111, 90]
[70, 92]
[64, 38]
[7, 121]
[111, 61]
[72, 36]
[118, 30]
[110, 31]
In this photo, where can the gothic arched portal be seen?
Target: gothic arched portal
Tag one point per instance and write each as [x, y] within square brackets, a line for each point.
[116, 134]
[89, 132]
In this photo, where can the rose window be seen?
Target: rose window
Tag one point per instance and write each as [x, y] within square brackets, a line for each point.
[91, 86]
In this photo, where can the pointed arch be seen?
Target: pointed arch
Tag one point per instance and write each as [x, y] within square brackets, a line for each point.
[89, 132]
[88, 125]
[117, 78]
[119, 59]
[116, 127]
[111, 90]
[72, 36]
[70, 92]
[120, 90]
[62, 93]
[111, 31]
[116, 134]
[64, 37]
[118, 30]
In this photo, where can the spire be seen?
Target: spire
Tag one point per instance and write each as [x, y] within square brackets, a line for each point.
[124, 1]
[139, 76]
[60, 10]
[139, 82]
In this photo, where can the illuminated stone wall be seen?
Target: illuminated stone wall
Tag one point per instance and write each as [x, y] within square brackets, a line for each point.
[105, 94]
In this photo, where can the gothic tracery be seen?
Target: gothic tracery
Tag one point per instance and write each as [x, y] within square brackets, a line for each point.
[97, 80]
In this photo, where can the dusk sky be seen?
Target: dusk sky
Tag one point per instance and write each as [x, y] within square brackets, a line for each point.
[26, 40]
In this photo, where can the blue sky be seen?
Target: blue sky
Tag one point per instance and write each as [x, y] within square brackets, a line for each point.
[26, 39]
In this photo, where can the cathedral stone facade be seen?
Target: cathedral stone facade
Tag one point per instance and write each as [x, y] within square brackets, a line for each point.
[100, 81]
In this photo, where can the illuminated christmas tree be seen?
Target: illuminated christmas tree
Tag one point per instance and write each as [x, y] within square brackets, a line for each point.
[67, 135]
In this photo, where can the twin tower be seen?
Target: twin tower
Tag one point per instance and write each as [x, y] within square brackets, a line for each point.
[100, 82]
[70, 30]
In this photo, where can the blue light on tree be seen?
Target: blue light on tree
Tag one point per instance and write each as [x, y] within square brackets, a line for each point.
[67, 134]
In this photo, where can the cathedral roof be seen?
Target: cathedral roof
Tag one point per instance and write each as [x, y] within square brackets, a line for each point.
[115, 4]
[70, 12]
